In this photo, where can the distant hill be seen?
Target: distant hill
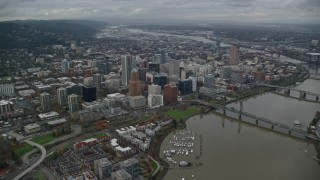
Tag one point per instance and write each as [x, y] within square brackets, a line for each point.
[34, 33]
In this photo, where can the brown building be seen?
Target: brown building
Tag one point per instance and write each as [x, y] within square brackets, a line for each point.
[170, 94]
[134, 84]
[234, 55]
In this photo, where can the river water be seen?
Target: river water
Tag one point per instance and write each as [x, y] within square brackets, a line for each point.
[233, 150]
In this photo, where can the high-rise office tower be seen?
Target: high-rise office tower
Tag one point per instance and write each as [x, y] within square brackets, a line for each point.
[157, 58]
[97, 81]
[160, 79]
[73, 101]
[170, 94]
[142, 74]
[154, 89]
[134, 84]
[185, 86]
[234, 55]
[209, 81]
[154, 67]
[64, 66]
[127, 65]
[62, 96]
[89, 93]
[163, 56]
[102, 67]
[174, 68]
[45, 102]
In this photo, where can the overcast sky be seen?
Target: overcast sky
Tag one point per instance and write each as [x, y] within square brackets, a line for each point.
[202, 11]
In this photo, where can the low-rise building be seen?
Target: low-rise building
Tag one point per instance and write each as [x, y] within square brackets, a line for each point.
[131, 166]
[91, 117]
[32, 128]
[121, 175]
[48, 116]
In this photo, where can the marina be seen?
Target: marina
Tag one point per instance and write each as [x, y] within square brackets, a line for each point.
[183, 149]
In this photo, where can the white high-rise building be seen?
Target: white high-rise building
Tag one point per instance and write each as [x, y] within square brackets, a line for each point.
[6, 106]
[73, 45]
[157, 58]
[6, 89]
[154, 89]
[194, 82]
[97, 81]
[62, 96]
[155, 101]
[174, 68]
[127, 65]
[73, 101]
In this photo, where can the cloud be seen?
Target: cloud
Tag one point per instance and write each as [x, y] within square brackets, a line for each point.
[165, 10]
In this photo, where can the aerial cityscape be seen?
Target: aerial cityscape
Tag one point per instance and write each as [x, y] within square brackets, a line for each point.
[132, 90]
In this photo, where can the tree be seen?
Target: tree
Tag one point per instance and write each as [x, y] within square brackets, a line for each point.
[181, 121]
[174, 123]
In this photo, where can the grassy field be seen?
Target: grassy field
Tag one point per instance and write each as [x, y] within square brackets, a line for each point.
[154, 165]
[24, 148]
[178, 114]
[38, 139]
[43, 139]
[38, 175]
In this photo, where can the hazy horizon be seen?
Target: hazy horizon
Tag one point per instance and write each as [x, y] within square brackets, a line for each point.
[166, 11]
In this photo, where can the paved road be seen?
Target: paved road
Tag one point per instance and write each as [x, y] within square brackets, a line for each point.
[43, 156]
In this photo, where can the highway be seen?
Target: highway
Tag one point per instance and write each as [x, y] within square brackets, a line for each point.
[43, 156]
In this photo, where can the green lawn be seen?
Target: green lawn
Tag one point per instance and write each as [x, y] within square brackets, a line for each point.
[38, 139]
[38, 175]
[43, 139]
[178, 114]
[23, 149]
[154, 165]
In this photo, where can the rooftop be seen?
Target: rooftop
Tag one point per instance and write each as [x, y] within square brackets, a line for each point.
[57, 121]
[49, 114]
[31, 126]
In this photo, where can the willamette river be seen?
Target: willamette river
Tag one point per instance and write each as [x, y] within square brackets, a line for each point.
[233, 150]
